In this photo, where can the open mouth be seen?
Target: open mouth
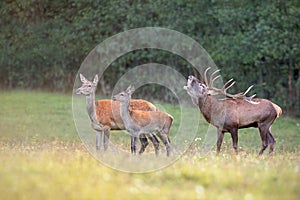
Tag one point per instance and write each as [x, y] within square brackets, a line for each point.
[190, 82]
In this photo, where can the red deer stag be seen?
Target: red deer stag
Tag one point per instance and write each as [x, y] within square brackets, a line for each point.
[139, 122]
[234, 112]
[105, 114]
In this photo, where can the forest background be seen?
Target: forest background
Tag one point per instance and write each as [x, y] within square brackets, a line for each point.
[43, 42]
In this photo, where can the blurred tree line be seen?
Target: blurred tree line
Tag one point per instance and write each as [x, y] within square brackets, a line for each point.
[43, 42]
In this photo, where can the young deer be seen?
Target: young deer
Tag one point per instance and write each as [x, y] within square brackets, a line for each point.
[139, 122]
[234, 112]
[105, 114]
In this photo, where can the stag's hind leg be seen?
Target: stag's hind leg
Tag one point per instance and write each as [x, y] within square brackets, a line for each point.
[234, 136]
[263, 131]
[271, 141]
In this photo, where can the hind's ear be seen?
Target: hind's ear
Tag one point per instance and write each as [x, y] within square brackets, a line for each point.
[96, 79]
[130, 89]
[83, 79]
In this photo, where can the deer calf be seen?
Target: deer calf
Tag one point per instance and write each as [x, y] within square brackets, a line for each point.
[234, 112]
[139, 122]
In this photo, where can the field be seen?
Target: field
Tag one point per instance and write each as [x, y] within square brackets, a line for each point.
[42, 157]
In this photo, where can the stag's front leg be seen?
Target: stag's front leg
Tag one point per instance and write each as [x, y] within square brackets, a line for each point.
[220, 140]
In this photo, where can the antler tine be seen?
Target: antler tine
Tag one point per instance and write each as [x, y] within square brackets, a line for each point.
[205, 77]
[215, 72]
[252, 96]
[249, 88]
[227, 82]
[225, 87]
[211, 79]
[249, 99]
[242, 95]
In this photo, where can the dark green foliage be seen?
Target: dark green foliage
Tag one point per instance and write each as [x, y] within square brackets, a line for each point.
[43, 42]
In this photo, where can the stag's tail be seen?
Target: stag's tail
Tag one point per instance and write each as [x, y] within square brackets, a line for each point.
[277, 109]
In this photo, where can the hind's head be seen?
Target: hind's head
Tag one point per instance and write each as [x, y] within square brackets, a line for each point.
[87, 87]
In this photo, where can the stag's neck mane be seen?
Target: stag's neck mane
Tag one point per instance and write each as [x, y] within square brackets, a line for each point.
[209, 107]
[205, 107]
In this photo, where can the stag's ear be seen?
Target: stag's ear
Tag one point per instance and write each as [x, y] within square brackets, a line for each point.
[202, 87]
[130, 89]
[83, 79]
[96, 79]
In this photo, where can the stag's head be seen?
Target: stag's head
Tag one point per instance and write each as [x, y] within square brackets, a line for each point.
[87, 86]
[196, 89]
[124, 96]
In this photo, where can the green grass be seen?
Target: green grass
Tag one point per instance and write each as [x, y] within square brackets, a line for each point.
[36, 116]
[42, 158]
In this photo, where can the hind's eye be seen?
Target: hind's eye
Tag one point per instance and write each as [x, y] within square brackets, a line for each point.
[89, 86]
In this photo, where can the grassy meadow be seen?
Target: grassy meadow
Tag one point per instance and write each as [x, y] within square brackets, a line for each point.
[42, 157]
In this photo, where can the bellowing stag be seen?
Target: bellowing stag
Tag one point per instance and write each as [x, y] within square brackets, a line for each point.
[233, 112]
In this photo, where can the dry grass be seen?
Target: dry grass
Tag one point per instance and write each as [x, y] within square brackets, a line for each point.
[60, 170]
[42, 158]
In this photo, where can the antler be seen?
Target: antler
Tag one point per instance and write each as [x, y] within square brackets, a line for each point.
[227, 85]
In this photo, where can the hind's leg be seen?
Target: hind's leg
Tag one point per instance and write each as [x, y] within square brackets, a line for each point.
[133, 145]
[98, 139]
[155, 142]
[144, 143]
[164, 137]
[106, 137]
